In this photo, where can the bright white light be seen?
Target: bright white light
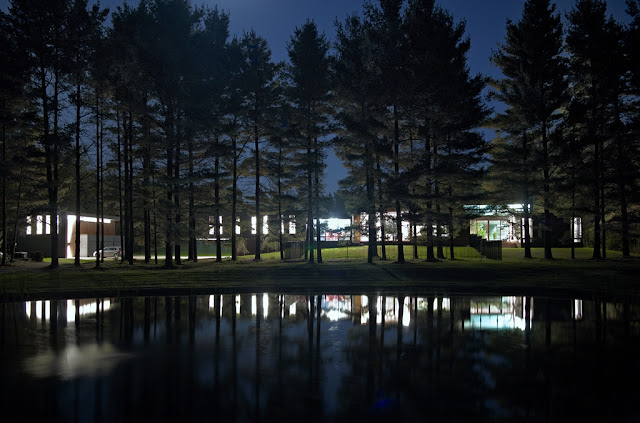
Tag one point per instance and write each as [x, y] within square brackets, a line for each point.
[292, 309]
[92, 219]
[265, 304]
[335, 315]
[406, 318]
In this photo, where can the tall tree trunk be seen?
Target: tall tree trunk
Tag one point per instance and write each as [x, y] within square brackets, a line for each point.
[101, 217]
[603, 225]
[98, 164]
[155, 226]
[622, 183]
[317, 192]
[5, 236]
[52, 157]
[217, 201]
[76, 252]
[146, 170]
[383, 249]
[525, 208]
[429, 212]
[438, 217]
[371, 205]
[280, 219]
[234, 198]
[396, 168]
[176, 194]
[310, 246]
[547, 192]
[451, 232]
[18, 199]
[168, 260]
[596, 201]
[131, 238]
[120, 194]
[258, 216]
[193, 255]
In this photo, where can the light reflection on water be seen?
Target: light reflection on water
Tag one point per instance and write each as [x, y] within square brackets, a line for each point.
[339, 357]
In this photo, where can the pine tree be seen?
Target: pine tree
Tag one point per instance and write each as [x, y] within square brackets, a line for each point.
[359, 111]
[308, 92]
[593, 40]
[533, 87]
[258, 88]
[39, 27]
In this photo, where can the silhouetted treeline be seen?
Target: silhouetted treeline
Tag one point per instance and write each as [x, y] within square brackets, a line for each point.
[156, 115]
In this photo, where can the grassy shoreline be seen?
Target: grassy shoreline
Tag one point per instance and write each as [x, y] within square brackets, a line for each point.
[613, 277]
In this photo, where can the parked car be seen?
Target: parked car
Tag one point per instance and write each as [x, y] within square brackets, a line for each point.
[114, 252]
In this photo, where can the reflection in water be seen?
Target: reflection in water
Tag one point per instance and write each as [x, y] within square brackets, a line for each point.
[271, 356]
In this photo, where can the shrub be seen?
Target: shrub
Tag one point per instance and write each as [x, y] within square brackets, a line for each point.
[35, 255]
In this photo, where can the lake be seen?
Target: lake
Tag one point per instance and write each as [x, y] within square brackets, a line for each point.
[321, 357]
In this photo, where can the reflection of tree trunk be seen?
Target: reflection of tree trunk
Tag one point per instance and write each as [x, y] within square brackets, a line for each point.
[234, 365]
[573, 324]
[382, 316]
[53, 321]
[311, 314]
[626, 315]
[167, 311]
[258, 316]
[438, 340]
[399, 323]
[598, 317]
[77, 322]
[547, 319]
[192, 319]
[316, 384]
[415, 321]
[147, 319]
[604, 320]
[373, 306]
[318, 313]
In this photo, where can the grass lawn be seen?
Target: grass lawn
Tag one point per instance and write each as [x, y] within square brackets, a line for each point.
[344, 270]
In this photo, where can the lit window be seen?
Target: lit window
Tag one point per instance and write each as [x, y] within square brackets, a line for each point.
[47, 224]
[265, 225]
[237, 226]
[39, 225]
[28, 225]
[253, 225]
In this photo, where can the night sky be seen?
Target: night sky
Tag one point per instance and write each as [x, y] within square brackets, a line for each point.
[276, 20]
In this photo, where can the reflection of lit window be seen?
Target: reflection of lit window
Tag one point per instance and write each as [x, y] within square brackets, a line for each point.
[292, 225]
[577, 309]
[577, 229]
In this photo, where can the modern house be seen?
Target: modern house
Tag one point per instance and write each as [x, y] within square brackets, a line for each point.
[37, 235]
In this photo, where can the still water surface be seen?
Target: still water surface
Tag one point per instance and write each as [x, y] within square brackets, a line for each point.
[275, 357]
